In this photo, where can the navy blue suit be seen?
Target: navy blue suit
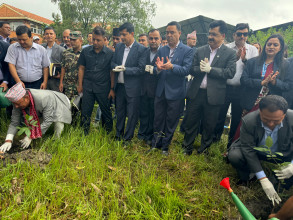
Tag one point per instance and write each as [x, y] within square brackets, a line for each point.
[148, 91]
[5, 71]
[129, 92]
[3, 65]
[171, 91]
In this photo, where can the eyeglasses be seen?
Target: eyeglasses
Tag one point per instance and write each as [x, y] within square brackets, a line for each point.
[239, 34]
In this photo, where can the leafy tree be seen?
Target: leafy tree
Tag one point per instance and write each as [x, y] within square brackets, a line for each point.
[261, 37]
[83, 14]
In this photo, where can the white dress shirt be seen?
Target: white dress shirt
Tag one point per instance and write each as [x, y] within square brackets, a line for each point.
[213, 53]
[251, 51]
[125, 55]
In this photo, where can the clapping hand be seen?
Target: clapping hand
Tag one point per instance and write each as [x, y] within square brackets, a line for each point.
[273, 78]
[168, 65]
[160, 63]
[270, 79]
[205, 65]
[149, 68]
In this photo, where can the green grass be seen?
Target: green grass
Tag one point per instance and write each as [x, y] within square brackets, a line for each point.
[94, 177]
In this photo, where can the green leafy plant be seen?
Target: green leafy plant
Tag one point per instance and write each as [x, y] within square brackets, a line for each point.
[27, 128]
[272, 156]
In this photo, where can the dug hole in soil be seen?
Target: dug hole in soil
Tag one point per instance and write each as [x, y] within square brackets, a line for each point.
[39, 158]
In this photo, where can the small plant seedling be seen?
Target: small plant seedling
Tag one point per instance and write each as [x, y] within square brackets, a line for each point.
[27, 127]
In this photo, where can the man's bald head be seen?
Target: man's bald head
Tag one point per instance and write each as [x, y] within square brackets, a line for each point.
[66, 38]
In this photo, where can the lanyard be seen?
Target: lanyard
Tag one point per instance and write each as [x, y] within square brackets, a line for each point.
[264, 70]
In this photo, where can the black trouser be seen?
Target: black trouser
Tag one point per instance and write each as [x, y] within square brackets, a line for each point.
[233, 97]
[53, 84]
[200, 111]
[87, 105]
[238, 161]
[34, 85]
[167, 114]
[146, 118]
[126, 106]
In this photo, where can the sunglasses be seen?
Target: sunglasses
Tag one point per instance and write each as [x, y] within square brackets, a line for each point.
[239, 34]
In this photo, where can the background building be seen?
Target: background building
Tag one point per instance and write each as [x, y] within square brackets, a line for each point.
[201, 25]
[18, 17]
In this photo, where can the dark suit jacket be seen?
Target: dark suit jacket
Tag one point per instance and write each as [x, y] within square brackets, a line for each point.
[57, 51]
[252, 132]
[288, 95]
[3, 65]
[135, 66]
[223, 68]
[251, 82]
[173, 81]
[150, 81]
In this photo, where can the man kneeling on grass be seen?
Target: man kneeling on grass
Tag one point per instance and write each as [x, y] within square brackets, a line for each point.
[53, 106]
[275, 120]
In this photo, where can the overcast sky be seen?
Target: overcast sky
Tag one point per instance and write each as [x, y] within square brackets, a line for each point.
[258, 13]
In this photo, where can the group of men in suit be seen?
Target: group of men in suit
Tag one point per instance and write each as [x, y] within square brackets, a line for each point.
[149, 85]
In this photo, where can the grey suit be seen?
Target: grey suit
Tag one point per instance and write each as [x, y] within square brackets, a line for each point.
[204, 104]
[56, 57]
[246, 159]
[53, 106]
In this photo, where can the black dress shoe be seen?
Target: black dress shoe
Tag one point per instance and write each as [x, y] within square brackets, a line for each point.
[153, 149]
[127, 143]
[149, 142]
[117, 138]
[205, 152]
[165, 153]
[187, 152]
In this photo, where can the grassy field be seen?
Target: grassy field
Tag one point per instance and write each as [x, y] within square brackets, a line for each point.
[94, 177]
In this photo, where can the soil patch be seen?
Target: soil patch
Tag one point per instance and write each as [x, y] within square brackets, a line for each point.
[260, 209]
[35, 157]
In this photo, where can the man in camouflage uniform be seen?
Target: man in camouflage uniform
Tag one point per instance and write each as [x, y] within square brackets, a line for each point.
[69, 67]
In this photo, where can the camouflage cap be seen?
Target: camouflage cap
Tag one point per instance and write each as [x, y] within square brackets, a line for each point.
[75, 35]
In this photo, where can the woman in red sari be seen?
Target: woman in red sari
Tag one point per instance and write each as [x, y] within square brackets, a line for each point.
[263, 75]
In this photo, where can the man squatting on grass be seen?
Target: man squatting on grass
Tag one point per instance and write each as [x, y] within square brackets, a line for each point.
[275, 120]
[53, 106]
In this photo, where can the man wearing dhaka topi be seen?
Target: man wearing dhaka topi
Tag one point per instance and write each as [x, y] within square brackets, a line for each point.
[53, 106]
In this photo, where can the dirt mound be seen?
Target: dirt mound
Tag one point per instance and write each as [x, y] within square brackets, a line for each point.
[38, 158]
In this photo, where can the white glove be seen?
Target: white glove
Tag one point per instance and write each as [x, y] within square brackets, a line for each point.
[285, 173]
[149, 68]
[119, 69]
[6, 147]
[270, 191]
[205, 66]
[25, 143]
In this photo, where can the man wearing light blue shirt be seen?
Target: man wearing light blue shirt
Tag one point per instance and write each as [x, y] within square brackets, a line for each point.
[272, 120]
[28, 62]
